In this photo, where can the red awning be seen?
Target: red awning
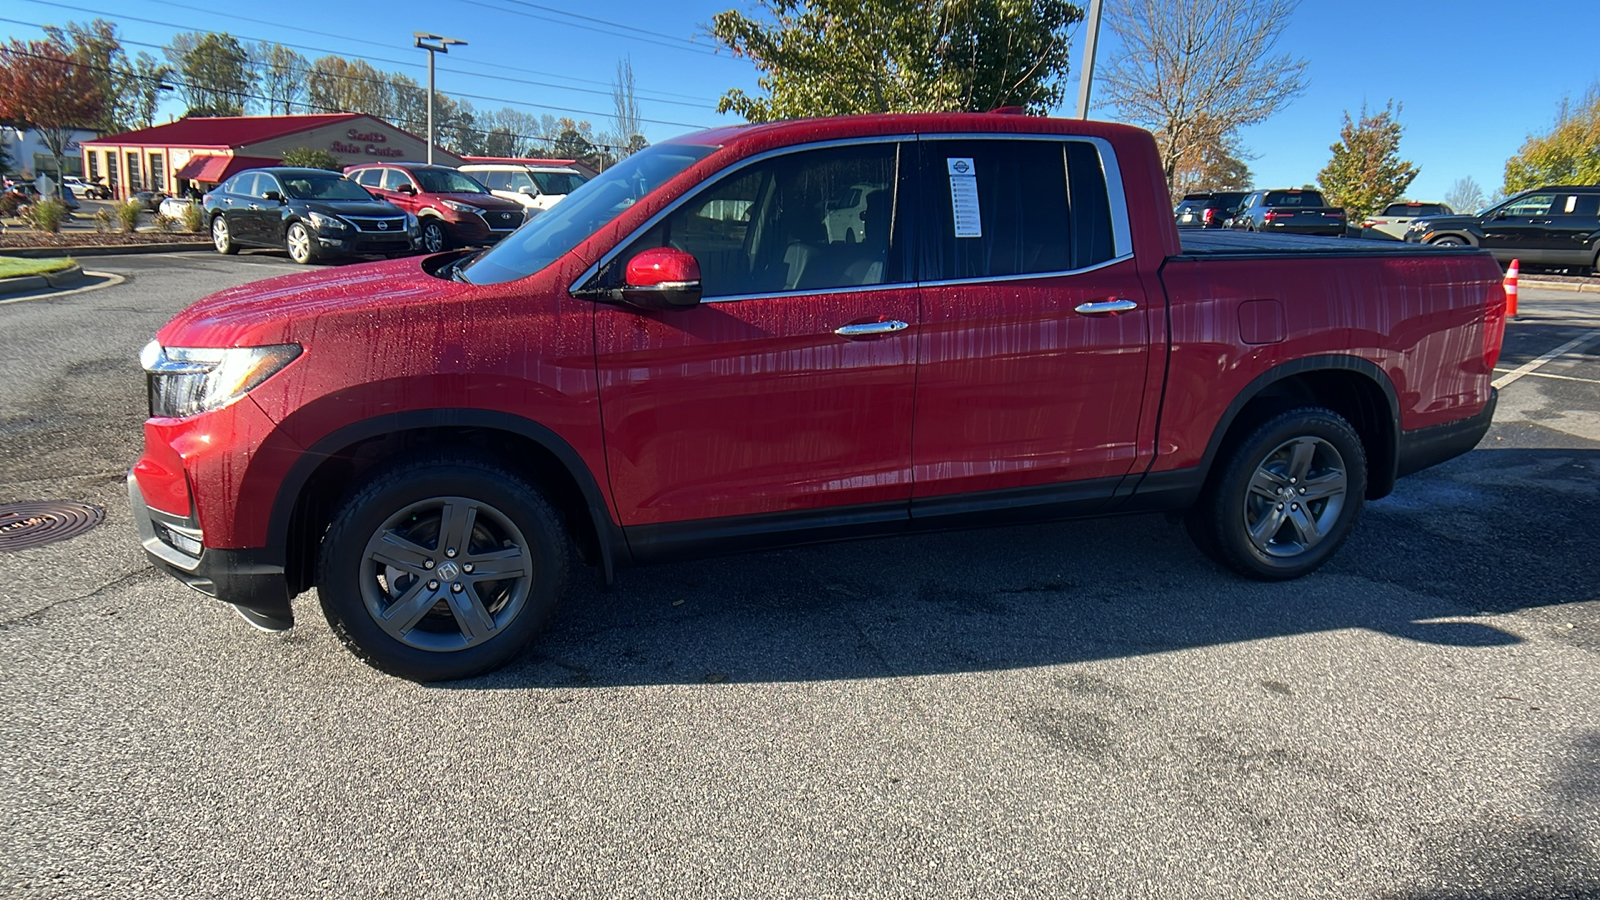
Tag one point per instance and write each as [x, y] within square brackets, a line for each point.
[211, 169]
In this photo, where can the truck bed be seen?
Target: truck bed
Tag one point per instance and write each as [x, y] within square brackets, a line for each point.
[1201, 244]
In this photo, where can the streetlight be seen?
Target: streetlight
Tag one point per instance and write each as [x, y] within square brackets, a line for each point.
[433, 43]
[1087, 77]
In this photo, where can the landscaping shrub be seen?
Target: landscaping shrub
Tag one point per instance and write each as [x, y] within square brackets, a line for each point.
[128, 215]
[166, 224]
[47, 215]
[104, 219]
[9, 204]
[194, 218]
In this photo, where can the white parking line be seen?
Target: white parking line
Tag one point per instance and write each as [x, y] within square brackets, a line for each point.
[1528, 368]
[1555, 376]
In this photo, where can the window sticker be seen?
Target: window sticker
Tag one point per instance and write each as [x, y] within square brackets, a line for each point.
[1572, 202]
[964, 197]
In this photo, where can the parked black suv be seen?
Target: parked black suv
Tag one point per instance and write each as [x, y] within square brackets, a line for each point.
[1557, 226]
[1290, 211]
[1208, 209]
[308, 212]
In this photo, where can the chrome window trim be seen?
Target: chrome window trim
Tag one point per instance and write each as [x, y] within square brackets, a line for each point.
[672, 207]
[1060, 273]
[1121, 232]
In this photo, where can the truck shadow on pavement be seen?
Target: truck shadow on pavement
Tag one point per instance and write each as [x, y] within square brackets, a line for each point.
[1492, 532]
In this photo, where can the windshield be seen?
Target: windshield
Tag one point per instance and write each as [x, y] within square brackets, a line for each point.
[447, 181]
[557, 182]
[323, 187]
[545, 239]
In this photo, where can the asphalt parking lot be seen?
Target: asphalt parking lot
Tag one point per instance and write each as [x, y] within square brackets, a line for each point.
[1087, 709]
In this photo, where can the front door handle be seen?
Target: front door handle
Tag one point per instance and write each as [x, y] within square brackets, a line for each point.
[1101, 307]
[867, 329]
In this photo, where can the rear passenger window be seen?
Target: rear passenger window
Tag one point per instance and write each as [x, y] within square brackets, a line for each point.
[1587, 205]
[995, 208]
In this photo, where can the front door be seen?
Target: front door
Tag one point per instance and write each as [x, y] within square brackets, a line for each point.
[1036, 327]
[789, 389]
[1517, 229]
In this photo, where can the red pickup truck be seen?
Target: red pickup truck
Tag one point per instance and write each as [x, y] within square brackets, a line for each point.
[683, 358]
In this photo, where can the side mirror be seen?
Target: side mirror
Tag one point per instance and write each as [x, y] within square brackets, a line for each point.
[663, 278]
[528, 189]
[1501, 214]
[274, 196]
[407, 189]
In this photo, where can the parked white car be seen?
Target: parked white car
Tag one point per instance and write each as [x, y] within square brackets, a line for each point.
[535, 187]
[1397, 217]
[846, 213]
[173, 207]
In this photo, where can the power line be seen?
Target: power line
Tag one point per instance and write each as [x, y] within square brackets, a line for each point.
[504, 100]
[650, 37]
[454, 65]
[178, 82]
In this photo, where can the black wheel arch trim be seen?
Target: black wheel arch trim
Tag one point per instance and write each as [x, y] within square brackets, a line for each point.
[1180, 487]
[613, 547]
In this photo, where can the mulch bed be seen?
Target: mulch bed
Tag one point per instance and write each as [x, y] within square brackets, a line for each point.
[18, 238]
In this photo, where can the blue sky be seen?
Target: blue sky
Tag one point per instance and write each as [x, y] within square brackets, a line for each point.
[1475, 77]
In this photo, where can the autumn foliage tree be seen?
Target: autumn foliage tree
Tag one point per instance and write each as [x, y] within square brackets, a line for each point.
[1568, 154]
[42, 87]
[1366, 172]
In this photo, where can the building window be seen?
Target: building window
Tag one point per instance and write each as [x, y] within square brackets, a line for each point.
[157, 179]
[133, 171]
[112, 178]
[94, 170]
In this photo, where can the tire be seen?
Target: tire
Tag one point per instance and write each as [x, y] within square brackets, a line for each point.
[434, 238]
[1239, 521]
[385, 548]
[1448, 241]
[221, 237]
[301, 245]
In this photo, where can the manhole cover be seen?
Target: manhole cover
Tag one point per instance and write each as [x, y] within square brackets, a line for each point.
[24, 525]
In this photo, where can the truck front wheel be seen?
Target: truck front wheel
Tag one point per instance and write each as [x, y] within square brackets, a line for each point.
[441, 568]
[1286, 498]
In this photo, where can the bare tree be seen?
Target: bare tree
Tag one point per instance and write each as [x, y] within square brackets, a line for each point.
[627, 105]
[1465, 196]
[1196, 71]
[282, 74]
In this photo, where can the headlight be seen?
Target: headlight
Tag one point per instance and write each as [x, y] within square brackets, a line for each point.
[460, 207]
[411, 223]
[320, 221]
[187, 381]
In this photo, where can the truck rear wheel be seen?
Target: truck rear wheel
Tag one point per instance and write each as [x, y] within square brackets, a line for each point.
[1286, 498]
[442, 568]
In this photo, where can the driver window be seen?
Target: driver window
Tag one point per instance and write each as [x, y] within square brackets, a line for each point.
[265, 183]
[1534, 205]
[782, 224]
[394, 179]
[516, 181]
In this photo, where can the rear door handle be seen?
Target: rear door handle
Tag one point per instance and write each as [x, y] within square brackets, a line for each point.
[1101, 307]
[867, 329]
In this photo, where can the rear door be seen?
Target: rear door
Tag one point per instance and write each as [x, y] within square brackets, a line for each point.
[789, 388]
[1036, 329]
[1571, 229]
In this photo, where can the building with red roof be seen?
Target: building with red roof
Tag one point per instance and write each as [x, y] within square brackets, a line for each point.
[203, 151]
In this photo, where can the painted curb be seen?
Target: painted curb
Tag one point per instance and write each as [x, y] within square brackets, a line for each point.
[101, 250]
[70, 275]
[1560, 286]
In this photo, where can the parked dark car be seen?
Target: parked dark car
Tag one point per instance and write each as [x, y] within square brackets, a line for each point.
[454, 209]
[308, 212]
[1556, 226]
[1208, 209]
[1290, 211]
[149, 201]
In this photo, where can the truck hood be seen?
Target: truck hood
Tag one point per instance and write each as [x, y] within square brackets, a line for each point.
[284, 309]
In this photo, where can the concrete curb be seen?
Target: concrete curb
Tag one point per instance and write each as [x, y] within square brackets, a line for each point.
[18, 284]
[100, 250]
[1559, 285]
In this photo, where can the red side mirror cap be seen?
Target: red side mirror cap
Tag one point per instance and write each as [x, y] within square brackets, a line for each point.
[662, 278]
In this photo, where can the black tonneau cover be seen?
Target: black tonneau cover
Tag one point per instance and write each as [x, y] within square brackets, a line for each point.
[1199, 244]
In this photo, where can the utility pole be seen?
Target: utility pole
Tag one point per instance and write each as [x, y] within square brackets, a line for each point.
[435, 43]
[1087, 76]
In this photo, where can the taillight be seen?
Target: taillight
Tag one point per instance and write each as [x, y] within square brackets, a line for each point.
[1210, 214]
[1494, 327]
[1268, 216]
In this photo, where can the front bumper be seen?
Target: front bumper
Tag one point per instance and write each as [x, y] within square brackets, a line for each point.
[252, 580]
[364, 242]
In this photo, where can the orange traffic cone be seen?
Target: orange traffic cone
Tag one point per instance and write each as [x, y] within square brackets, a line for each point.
[1511, 289]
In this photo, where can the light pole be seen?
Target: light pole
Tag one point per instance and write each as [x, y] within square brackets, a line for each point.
[1087, 77]
[433, 43]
